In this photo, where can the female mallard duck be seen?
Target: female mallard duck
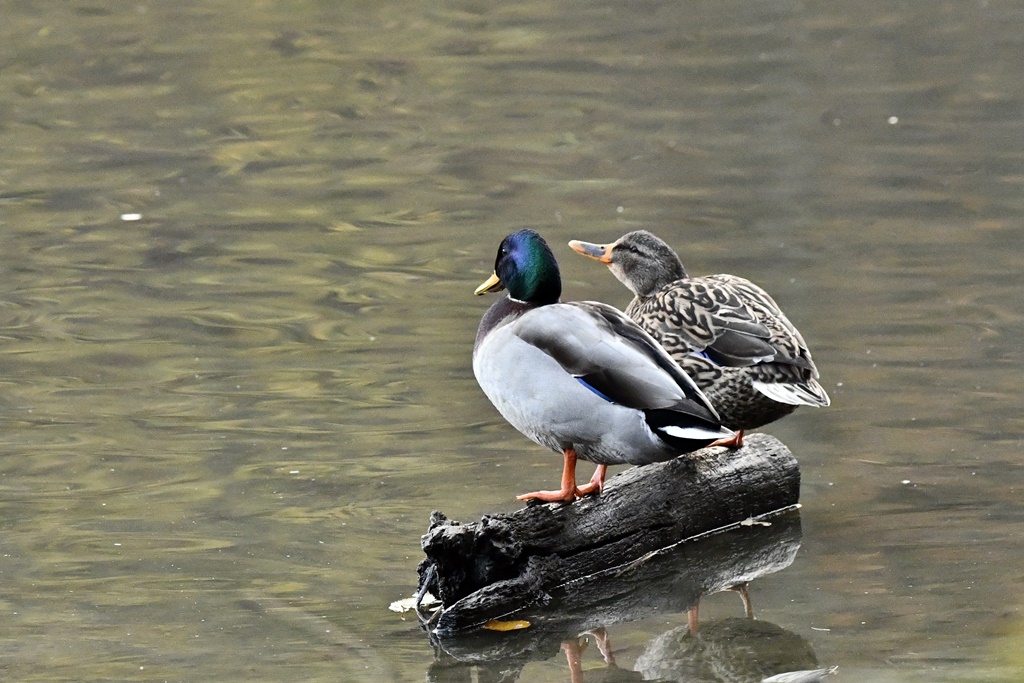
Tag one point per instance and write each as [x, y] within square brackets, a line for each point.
[581, 378]
[725, 331]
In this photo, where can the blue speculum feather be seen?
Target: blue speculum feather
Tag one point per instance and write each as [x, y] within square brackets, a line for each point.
[703, 355]
[584, 383]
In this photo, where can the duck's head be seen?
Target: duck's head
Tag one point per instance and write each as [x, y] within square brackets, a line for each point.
[641, 261]
[525, 267]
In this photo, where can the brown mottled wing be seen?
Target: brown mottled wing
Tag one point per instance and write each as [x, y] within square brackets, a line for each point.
[785, 338]
[706, 316]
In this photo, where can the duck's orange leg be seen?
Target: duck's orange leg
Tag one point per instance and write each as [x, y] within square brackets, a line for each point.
[567, 493]
[596, 484]
[734, 441]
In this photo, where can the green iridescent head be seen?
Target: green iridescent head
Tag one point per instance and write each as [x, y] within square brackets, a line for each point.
[525, 267]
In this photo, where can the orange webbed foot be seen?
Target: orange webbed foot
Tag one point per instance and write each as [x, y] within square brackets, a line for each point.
[596, 484]
[734, 441]
[550, 496]
[569, 491]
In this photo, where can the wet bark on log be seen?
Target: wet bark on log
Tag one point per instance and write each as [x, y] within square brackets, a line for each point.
[503, 563]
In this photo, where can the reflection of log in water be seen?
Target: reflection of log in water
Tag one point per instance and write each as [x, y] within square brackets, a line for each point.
[668, 583]
[492, 568]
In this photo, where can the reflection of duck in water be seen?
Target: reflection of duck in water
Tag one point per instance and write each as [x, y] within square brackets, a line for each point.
[813, 676]
[727, 333]
[741, 589]
[574, 649]
[732, 650]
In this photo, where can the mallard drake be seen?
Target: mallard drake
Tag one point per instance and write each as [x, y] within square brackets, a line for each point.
[581, 378]
[727, 333]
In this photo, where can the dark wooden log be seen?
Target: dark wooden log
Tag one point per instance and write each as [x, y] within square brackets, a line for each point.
[668, 583]
[504, 563]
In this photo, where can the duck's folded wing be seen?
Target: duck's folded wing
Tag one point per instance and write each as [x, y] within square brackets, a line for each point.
[714, 319]
[789, 344]
[603, 348]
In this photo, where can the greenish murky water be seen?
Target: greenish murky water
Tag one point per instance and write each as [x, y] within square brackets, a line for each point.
[239, 244]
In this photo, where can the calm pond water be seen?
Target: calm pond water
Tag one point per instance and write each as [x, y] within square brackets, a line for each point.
[236, 312]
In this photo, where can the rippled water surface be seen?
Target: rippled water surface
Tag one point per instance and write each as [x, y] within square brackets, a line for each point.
[238, 252]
